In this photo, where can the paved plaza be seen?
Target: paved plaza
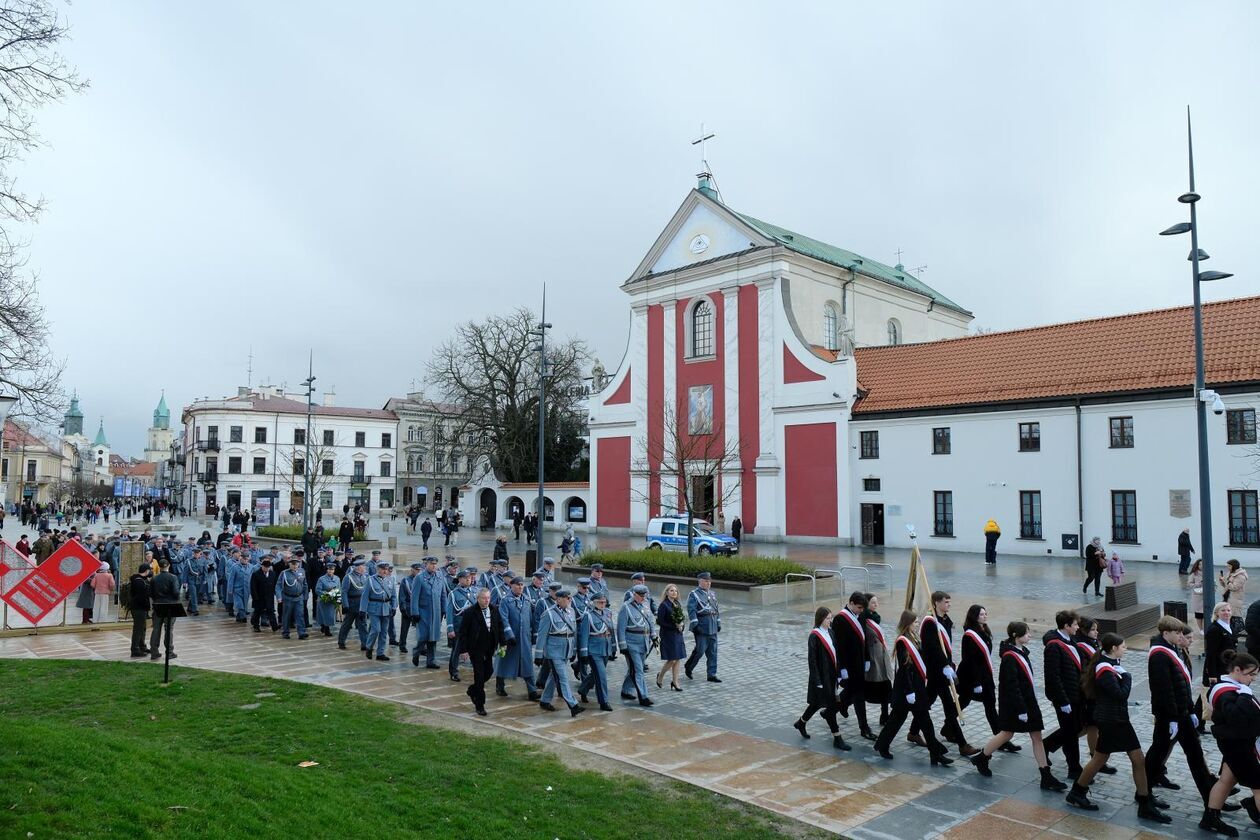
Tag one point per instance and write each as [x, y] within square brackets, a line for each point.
[736, 738]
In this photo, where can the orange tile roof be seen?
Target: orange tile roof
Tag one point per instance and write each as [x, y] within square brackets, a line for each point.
[1144, 351]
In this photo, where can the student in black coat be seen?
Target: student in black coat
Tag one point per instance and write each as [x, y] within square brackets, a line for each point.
[936, 634]
[849, 635]
[480, 632]
[1018, 709]
[1236, 725]
[1063, 666]
[975, 669]
[824, 679]
[1171, 677]
[911, 696]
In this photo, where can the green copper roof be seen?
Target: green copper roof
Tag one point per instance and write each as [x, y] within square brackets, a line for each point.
[162, 409]
[100, 436]
[74, 408]
[897, 276]
[162, 414]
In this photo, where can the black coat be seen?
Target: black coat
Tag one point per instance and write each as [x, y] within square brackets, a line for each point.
[262, 586]
[310, 544]
[822, 674]
[1184, 547]
[474, 639]
[500, 550]
[426, 528]
[345, 532]
[935, 654]
[850, 645]
[1111, 693]
[139, 593]
[975, 667]
[908, 680]
[164, 589]
[1063, 674]
[1252, 626]
[1171, 695]
[1015, 694]
[1216, 640]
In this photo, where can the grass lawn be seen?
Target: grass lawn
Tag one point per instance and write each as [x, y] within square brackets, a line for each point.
[96, 749]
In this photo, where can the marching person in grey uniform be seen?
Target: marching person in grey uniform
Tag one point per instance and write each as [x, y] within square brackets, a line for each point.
[597, 645]
[352, 586]
[404, 603]
[635, 579]
[548, 601]
[375, 564]
[516, 614]
[549, 569]
[451, 570]
[502, 585]
[557, 646]
[461, 598]
[380, 598]
[636, 637]
[291, 590]
[535, 591]
[599, 586]
[581, 603]
[486, 579]
[428, 596]
[706, 623]
[326, 613]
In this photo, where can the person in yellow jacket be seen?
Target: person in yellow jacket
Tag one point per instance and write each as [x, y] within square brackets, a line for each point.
[991, 534]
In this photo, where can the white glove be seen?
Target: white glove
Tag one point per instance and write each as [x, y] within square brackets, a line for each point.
[948, 672]
[1023, 718]
[1194, 721]
[978, 690]
[1172, 729]
[844, 674]
[866, 666]
[1067, 710]
[910, 699]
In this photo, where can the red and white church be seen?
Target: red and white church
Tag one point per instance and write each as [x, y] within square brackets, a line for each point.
[746, 331]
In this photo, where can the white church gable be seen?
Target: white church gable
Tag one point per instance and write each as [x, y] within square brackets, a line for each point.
[699, 231]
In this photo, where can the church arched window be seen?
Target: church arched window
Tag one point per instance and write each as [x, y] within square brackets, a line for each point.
[702, 329]
[894, 332]
[831, 328]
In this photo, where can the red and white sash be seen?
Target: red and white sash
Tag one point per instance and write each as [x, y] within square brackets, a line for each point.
[854, 623]
[825, 638]
[878, 631]
[1071, 649]
[940, 631]
[1023, 665]
[1171, 654]
[1220, 690]
[915, 656]
[1105, 667]
[984, 648]
[1087, 648]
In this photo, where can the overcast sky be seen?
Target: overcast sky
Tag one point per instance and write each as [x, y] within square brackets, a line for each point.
[278, 175]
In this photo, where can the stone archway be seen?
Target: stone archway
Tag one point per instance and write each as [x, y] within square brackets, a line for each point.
[487, 505]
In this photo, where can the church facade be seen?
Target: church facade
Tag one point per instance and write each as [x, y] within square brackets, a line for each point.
[737, 383]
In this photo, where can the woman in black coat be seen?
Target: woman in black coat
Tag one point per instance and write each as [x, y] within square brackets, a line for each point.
[480, 632]
[673, 648]
[975, 669]
[1217, 638]
[824, 679]
[1236, 725]
[910, 697]
[1018, 708]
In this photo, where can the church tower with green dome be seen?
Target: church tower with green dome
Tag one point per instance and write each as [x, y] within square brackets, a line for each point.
[160, 434]
[73, 420]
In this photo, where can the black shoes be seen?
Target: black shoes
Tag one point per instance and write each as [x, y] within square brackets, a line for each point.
[646, 701]
[547, 707]
[800, 727]
[884, 753]
[575, 710]
[837, 741]
[1148, 811]
[942, 759]
[868, 734]
[340, 646]
[1049, 782]
[604, 707]
[1010, 747]
[481, 712]
[714, 679]
[625, 696]
[981, 762]
[1079, 797]
[382, 658]
[1107, 769]
[1212, 822]
[1165, 783]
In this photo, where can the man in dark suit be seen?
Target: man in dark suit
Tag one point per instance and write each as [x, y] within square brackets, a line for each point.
[849, 637]
[139, 605]
[163, 590]
[262, 592]
[479, 634]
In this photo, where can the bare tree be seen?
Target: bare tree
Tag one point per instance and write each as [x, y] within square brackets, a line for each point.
[308, 477]
[490, 371]
[689, 462]
[60, 490]
[32, 74]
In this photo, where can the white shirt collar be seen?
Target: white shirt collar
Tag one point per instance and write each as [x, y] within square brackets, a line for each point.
[1225, 625]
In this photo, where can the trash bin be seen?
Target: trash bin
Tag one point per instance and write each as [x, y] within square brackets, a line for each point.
[1177, 609]
[531, 562]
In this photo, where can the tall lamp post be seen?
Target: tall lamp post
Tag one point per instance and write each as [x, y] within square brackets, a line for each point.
[1202, 396]
[309, 382]
[6, 404]
[540, 333]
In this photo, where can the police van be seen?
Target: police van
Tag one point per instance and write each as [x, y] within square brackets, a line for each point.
[669, 533]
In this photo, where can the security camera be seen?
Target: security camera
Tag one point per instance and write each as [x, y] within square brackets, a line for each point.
[1218, 407]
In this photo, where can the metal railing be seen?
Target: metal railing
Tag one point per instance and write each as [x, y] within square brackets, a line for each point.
[813, 583]
[844, 581]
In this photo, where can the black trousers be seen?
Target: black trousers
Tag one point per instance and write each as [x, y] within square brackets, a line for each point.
[1067, 737]
[1161, 748]
[483, 670]
[1093, 575]
[853, 694]
[939, 690]
[139, 622]
[921, 721]
[828, 714]
[268, 610]
[989, 702]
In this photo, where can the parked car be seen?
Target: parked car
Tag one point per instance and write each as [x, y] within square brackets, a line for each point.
[669, 533]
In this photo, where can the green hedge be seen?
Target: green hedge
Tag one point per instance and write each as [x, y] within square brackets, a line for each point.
[742, 569]
[295, 532]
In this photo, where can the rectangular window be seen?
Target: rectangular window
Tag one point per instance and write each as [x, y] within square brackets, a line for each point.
[236, 434]
[1240, 425]
[234, 465]
[260, 466]
[387, 498]
[358, 472]
[212, 433]
[1121, 432]
[1029, 437]
[870, 445]
[667, 529]
[260, 434]
[1030, 514]
[940, 441]
[1244, 519]
[386, 466]
[943, 513]
[325, 500]
[4, 469]
[1124, 516]
[212, 469]
[328, 437]
[299, 466]
[299, 437]
[387, 441]
[30, 470]
[870, 485]
[360, 438]
[326, 468]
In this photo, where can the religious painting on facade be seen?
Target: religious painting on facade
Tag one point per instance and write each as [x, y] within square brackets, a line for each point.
[700, 410]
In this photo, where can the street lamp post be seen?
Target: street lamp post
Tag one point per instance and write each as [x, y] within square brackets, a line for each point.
[309, 382]
[6, 404]
[540, 333]
[1202, 396]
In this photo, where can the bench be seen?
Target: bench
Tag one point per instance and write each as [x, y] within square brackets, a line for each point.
[1121, 613]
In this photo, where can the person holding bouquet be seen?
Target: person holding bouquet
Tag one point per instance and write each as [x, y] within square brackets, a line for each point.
[672, 621]
[328, 596]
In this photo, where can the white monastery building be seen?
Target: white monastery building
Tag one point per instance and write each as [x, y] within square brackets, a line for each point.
[858, 405]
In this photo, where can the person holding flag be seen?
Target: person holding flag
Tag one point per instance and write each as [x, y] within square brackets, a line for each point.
[910, 696]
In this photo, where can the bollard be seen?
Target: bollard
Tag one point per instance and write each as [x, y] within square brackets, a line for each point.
[384, 526]
[393, 542]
